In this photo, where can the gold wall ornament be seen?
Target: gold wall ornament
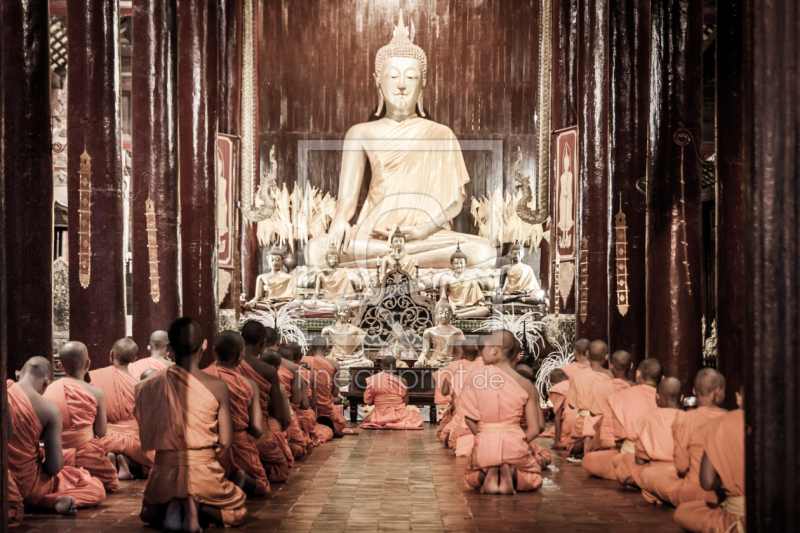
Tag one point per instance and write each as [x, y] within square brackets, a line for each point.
[584, 289]
[556, 285]
[683, 137]
[152, 248]
[544, 132]
[566, 275]
[621, 246]
[85, 219]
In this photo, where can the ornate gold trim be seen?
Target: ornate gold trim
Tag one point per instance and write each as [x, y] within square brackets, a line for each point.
[584, 292]
[152, 248]
[621, 246]
[85, 220]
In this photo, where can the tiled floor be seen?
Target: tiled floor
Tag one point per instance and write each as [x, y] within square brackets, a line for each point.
[403, 481]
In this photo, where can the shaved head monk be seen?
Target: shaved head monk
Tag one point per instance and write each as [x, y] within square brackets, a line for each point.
[493, 402]
[617, 425]
[654, 444]
[580, 397]
[564, 414]
[308, 417]
[46, 483]
[121, 442]
[580, 352]
[185, 416]
[299, 441]
[721, 471]
[272, 446]
[83, 412]
[453, 384]
[159, 356]
[619, 364]
[682, 482]
[389, 393]
[241, 461]
[323, 371]
[444, 402]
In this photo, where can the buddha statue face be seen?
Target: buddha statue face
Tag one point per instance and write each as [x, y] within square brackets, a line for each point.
[275, 262]
[341, 313]
[401, 84]
[332, 258]
[444, 314]
[459, 265]
[398, 244]
[515, 255]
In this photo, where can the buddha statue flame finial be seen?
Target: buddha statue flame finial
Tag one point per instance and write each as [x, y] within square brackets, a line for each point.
[401, 46]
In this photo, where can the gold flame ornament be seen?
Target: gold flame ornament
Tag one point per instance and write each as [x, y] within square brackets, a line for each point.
[85, 220]
[152, 248]
[584, 294]
[556, 288]
[621, 246]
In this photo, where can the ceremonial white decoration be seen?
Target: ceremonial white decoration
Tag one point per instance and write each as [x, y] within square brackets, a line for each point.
[524, 328]
[560, 357]
[301, 215]
[285, 321]
[497, 220]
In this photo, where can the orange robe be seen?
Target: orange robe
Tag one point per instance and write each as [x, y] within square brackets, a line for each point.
[558, 396]
[573, 367]
[16, 507]
[386, 391]
[653, 444]
[272, 455]
[440, 399]
[178, 419]
[625, 407]
[457, 428]
[308, 417]
[600, 408]
[137, 367]
[723, 443]
[500, 439]
[580, 397]
[298, 440]
[323, 371]
[25, 465]
[681, 483]
[82, 449]
[243, 454]
[123, 430]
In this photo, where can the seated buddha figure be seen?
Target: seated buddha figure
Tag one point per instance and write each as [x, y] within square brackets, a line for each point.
[518, 280]
[407, 262]
[345, 339]
[334, 283]
[463, 294]
[438, 341]
[418, 175]
[276, 288]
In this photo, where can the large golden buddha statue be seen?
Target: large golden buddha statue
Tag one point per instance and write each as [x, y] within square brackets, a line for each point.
[418, 175]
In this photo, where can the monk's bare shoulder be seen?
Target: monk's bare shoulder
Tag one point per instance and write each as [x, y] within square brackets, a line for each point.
[45, 410]
[289, 366]
[252, 383]
[335, 364]
[215, 385]
[263, 369]
[404, 381]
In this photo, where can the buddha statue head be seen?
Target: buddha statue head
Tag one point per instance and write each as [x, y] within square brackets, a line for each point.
[341, 311]
[401, 70]
[276, 259]
[397, 241]
[458, 261]
[515, 253]
[332, 257]
[443, 313]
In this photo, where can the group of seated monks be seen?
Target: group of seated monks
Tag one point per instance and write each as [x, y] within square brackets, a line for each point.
[638, 434]
[204, 439]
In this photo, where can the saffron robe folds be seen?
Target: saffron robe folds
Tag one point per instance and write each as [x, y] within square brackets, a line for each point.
[386, 392]
[322, 374]
[137, 367]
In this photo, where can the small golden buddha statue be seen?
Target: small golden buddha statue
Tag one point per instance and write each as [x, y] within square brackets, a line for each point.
[334, 283]
[464, 295]
[276, 287]
[418, 174]
[519, 281]
[345, 339]
[407, 263]
[438, 341]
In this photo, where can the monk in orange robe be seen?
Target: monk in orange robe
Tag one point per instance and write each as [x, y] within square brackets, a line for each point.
[185, 416]
[563, 414]
[445, 401]
[308, 416]
[83, 412]
[159, 357]
[323, 371]
[619, 364]
[580, 352]
[617, 425]
[501, 461]
[389, 394]
[299, 440]
[276, 456]
[121, 441]
[16, 507]
[45, 483]
[543, 455]
[241, 461]
[654, 444]
[681, 482]
[722, 471]
[453, 384]
[580, 397]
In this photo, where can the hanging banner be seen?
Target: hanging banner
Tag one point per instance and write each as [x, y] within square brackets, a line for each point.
[226, 198]
[565, 210]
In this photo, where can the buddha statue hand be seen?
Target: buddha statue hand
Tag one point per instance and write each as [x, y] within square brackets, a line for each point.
[339, 235]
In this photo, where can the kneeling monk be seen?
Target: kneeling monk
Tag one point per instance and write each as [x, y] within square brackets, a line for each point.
[324, 371]
[83, 411]
[389, 393]
[184, 415]
[501, 460]
[121, 441]
[45, 483]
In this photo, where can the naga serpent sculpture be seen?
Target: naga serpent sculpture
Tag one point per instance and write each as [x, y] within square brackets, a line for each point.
[542, 211]
[268, 185]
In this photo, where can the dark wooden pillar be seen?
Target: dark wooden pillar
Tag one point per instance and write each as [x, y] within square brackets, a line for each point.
[197, 86]
[629, 75]
[730, 194]
[563, 105]
[96, 279]
[673, 190]
[772, 291]
[3, 317]
[591, 315]
[250, 255]
[28, 161]
[156, 288]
